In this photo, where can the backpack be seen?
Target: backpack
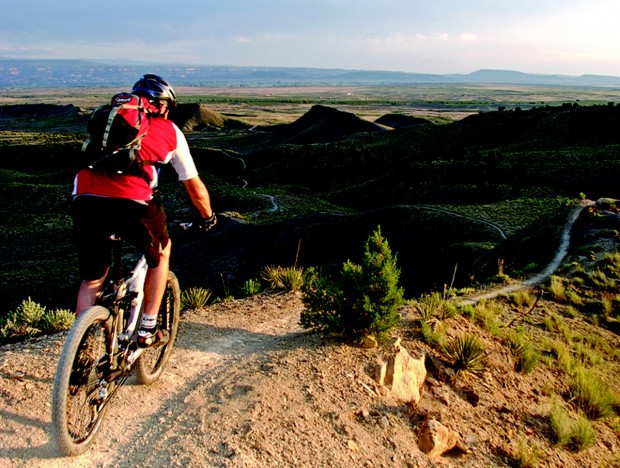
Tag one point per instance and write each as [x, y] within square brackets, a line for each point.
[115, 134]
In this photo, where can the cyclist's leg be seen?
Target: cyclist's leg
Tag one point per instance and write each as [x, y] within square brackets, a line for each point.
[155, 284]
[88, 293]
[156, 246]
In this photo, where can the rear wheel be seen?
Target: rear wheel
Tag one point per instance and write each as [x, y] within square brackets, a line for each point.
[80, 392]
[152, 361]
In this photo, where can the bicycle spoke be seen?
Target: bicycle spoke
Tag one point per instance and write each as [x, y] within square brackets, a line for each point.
[83, 407]
[81, 390]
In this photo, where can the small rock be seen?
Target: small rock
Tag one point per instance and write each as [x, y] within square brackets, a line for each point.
[352, 446]
[369, 342]
[435, 439]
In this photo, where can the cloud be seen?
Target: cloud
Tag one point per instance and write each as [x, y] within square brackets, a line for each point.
[11, 51]
[242, 39]
[468, 37]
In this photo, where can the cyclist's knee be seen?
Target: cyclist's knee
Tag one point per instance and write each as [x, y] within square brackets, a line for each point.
[164, 254]
[165, 250]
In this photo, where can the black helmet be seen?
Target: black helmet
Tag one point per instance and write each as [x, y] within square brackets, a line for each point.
[154, 87]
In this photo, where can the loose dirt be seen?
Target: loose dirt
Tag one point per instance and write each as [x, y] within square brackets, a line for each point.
[247, 387]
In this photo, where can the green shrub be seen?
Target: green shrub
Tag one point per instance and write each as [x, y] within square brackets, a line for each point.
[586, 355]
[486, 315]
[283, 278]
[251, 287]
[601, 282]
[611, 265]
[527, 455]
[466, 354]
[520, 298]
[54, 321]
[576, 434]
[468, 311]
[560, 423]
[583, 434]
[195, 298]
[432, 334]
[573, 297]
[525, 355]
[361, 299]
[560, 350]
[557, 288]
[591, 395]
[32, 319]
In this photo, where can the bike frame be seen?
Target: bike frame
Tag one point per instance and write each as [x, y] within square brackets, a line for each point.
[125, 304]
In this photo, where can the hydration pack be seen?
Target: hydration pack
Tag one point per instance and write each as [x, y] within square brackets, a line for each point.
[116, 131]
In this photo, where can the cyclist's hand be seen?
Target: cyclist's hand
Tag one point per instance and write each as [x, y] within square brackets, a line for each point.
[205, 224]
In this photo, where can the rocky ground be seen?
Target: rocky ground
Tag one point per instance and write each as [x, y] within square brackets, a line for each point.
[247, 387]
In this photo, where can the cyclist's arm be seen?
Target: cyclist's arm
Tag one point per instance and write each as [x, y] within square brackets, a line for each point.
[199, 195]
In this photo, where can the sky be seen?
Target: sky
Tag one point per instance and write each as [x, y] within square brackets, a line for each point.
[568, 37]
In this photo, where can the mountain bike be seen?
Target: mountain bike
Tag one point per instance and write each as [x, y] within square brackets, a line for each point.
[101, 352]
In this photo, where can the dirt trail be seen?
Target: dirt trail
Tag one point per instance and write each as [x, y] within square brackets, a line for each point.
[211, 346]
[560, 253]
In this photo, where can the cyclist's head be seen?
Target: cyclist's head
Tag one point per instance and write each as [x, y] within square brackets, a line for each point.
[155, 89]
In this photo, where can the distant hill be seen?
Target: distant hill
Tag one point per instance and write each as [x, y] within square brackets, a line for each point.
[320, 124]
[29, 73]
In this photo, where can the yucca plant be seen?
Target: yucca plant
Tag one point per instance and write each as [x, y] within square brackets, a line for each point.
[283, 278]
[195, 298]
[427, 306]
[466, 354]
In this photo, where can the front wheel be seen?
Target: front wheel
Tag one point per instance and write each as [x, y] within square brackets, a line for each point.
[152, 361]
[80, 390]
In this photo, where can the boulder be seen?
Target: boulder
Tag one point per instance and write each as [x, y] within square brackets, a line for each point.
[403, 374]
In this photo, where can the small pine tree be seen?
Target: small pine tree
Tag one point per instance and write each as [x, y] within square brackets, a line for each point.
[362, 299]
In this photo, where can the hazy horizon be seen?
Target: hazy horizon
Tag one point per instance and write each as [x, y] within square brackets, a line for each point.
[560, 37]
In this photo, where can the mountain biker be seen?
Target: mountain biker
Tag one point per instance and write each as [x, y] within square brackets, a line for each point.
[123, 204]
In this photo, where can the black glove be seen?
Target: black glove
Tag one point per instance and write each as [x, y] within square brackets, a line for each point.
[204, 224]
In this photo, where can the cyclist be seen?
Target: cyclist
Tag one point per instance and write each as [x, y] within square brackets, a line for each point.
[123, 204]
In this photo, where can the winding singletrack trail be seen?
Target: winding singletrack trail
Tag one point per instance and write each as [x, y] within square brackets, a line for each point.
[538, 278]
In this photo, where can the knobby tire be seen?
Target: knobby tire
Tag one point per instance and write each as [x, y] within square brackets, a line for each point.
[153, 360]
[76, 412]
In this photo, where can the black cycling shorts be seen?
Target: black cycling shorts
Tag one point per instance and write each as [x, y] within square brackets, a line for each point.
[95, 219]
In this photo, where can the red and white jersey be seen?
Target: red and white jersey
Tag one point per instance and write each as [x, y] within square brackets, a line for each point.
[164, 143]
